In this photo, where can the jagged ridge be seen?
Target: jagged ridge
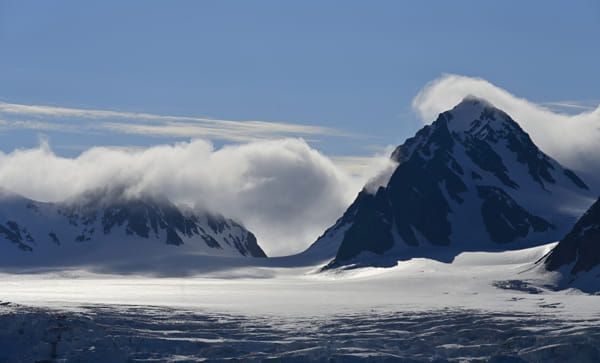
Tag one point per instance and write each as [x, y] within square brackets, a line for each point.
[581, 246]
[94, 219]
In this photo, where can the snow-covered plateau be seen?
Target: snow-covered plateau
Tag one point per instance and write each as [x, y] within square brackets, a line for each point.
[484, 306]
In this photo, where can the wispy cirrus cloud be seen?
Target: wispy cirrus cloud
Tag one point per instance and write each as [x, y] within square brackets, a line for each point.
[577, 105]
[184, 129]
[148, 124]
[35, 125]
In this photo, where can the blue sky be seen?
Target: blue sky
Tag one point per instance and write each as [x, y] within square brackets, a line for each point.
[350, 67]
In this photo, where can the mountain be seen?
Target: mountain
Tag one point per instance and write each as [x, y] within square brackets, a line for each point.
[578, 253]
[472, 180]
[106, 225]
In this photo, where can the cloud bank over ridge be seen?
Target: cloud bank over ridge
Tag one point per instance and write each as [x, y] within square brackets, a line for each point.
[283, 190]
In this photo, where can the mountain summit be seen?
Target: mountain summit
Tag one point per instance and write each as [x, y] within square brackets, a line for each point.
[472, 180]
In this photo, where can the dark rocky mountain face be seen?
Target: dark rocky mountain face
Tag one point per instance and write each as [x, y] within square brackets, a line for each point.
[94, 218]
[472, 180]
[581, 246]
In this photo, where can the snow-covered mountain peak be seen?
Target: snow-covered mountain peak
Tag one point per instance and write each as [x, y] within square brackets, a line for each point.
[491, 139]
[462, 117]
[477, 117]
[471, 179]
[473, 117]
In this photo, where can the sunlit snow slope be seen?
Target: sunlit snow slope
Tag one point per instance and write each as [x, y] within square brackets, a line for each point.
[106, 227]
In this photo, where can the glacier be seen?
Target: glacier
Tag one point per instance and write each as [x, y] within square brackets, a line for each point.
[484, 306]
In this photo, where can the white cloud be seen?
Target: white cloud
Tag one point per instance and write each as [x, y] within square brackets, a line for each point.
[183, 129]
[569, 104]
[78, 120]
[35, 125]
[284, 191]
[365, 165]
[573, 140]
[380, 168]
